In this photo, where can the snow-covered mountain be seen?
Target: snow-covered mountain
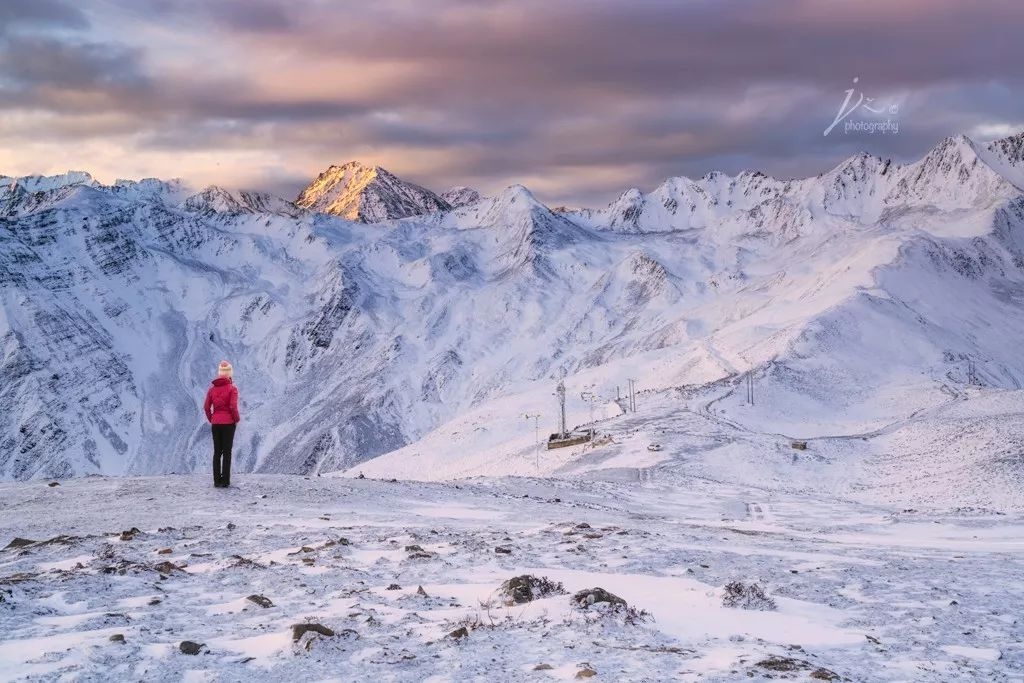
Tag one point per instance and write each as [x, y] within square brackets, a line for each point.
[855, 297]
[368, 194]
[460, 196]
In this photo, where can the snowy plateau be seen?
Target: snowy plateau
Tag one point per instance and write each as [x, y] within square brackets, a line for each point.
[831, 366]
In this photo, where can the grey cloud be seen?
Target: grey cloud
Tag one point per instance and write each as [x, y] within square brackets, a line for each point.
[258, 16]
[33, 61]
[250, 15]
[593, 96]
[40, 14]
[650, 47]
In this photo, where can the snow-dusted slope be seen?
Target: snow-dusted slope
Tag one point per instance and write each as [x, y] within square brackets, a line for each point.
[368, 194]
[852, 297]
[856, 300]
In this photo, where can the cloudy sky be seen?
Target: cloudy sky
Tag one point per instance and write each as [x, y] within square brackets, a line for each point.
[577, 99]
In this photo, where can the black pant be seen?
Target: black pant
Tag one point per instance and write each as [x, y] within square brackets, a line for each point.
[223, 436]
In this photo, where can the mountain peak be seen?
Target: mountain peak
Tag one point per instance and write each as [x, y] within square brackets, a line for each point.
[1006, 156]
[461, 195]
[517, 192]
[952, 144]
[40, 183]
[369, 194]
[215, 199]
[351, 167]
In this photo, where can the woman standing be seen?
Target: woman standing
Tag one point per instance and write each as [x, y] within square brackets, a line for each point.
[221, 410]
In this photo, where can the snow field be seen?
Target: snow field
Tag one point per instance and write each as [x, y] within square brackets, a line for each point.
[861, 591]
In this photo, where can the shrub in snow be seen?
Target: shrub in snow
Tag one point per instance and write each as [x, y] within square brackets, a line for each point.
[527, 588]
[742, 596]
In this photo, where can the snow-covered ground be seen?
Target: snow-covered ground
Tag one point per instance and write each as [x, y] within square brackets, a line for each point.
[864, 592]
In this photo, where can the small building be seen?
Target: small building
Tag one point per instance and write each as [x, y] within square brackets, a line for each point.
[564, 437]
[570, 439]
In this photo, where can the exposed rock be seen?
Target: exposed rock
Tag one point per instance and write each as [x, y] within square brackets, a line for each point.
[587, 597]
[414, 549]
[260, 600]
[19, 543]
[503, 550]
[543, 667]
[60, 539]
[459, 633]
[53, 483]
[781, 664]
[19, 577]
[823, 674]
[245, 562]
[166, 568]
[121, 567]
[130, 534]
[117, 638]
[393, 587]
[164, 551]
[421, 592]
[190, 648]
[586, 673]
[299, 630]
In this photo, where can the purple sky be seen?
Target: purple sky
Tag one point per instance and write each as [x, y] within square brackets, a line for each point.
[578, 100]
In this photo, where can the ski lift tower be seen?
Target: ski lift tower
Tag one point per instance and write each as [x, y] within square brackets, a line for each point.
[564, 438]
[560, 393]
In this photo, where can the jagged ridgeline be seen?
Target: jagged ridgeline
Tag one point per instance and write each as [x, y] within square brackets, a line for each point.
[371, 310]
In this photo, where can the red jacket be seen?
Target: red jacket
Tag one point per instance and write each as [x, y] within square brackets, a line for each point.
[221, 405]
